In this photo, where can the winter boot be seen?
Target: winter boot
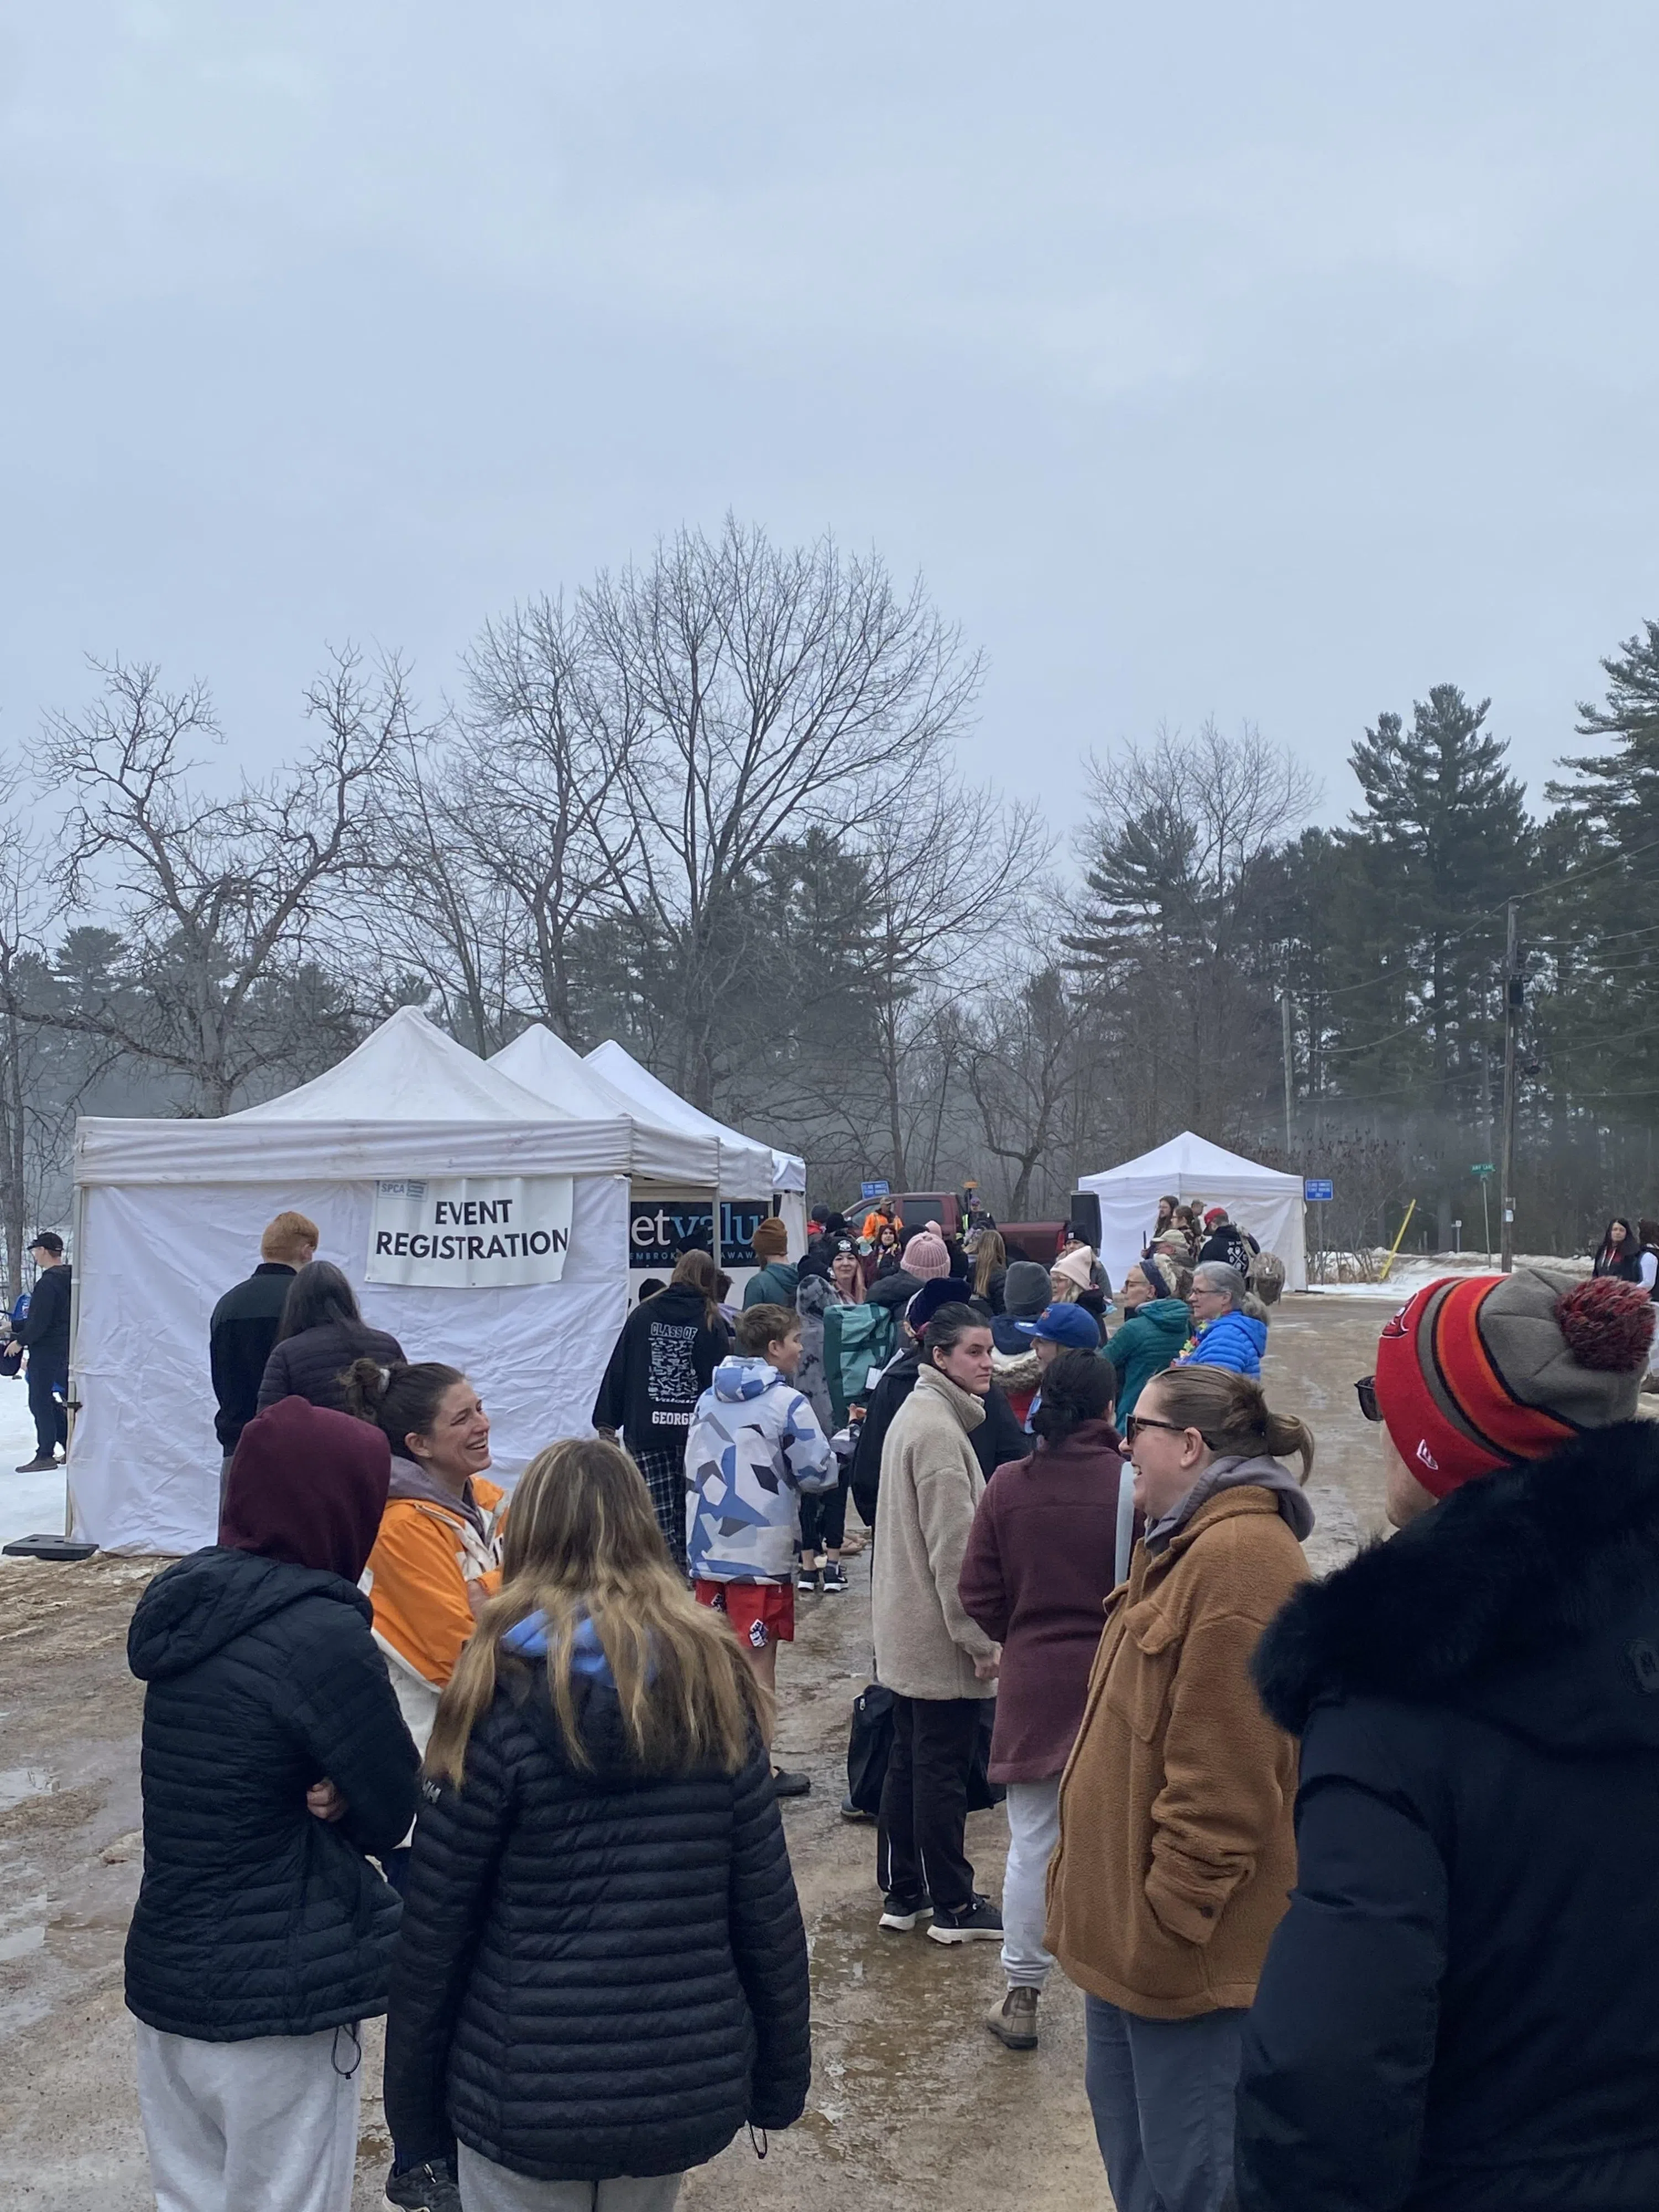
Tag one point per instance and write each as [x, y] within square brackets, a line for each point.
[1014, 2020]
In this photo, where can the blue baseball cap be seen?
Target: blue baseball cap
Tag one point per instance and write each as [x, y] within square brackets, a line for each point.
[1067, 1324]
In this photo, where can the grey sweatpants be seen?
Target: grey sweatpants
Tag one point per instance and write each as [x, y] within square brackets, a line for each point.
[270, 2122]
[1162, 2094]
[486, 2187]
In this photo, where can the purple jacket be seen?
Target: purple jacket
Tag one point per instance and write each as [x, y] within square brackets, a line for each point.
[1040, 1562]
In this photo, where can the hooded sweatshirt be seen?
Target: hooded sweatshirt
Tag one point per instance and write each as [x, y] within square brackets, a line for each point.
[1229, 1473]
[755, 1444]
[255, 1919]
[774, 1285]
[662, 1362]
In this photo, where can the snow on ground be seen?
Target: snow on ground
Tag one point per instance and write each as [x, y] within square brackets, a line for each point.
[30, 1505]
[1409, 1276]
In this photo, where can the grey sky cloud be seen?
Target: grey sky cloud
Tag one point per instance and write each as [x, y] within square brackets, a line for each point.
[1265, 362]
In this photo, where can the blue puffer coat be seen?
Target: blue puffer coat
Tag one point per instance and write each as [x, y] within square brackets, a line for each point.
[1234, 1340]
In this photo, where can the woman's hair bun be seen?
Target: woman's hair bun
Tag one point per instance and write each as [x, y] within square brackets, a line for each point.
[1608, 1324]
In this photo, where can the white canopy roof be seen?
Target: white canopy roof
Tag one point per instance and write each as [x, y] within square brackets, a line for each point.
[554, 1071]
[1265, 1201]
[408, 1101]
[620, 1068]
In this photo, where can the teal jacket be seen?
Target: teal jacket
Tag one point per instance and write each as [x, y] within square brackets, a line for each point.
[774, 1285]
[1144, 1346]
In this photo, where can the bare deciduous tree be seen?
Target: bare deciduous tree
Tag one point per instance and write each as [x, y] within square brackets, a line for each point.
[219, 900]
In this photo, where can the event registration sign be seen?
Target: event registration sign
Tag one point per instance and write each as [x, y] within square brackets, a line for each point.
[470, 1232]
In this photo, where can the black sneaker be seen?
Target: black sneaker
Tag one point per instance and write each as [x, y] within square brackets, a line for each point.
[808, 1583]
[790, 1785]
[834, 1579]
[978, 1922]
[428, 2187]
[901, 1913]
[849, 1811]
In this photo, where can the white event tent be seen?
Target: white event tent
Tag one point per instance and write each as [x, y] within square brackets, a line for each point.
[168, 1214]
[1262, 1199]
[788, 1177]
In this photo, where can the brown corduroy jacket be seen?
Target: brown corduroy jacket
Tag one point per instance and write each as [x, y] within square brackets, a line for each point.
[1177, 1848]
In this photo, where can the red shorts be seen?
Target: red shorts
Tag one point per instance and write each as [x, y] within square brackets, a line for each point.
[761, 1612]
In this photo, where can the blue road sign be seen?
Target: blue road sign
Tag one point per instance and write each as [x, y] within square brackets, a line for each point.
[874, 1189]
[1315, 1190]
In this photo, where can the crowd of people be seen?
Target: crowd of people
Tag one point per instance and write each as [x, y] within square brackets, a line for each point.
[1351, 1874]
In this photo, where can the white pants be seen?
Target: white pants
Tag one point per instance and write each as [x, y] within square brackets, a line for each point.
[487, 2187]
[270, 2124]
[1033, 1830]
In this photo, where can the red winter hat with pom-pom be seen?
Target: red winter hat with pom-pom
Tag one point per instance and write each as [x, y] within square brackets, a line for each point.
[1486, 1371]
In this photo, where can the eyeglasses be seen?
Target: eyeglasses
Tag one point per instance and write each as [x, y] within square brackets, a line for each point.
[1136, 1422]
[1365, 1390]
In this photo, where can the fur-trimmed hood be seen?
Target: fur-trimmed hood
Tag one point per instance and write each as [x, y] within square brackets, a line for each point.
[1530, 1597]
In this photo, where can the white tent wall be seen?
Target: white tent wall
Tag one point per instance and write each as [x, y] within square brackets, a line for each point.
[153, 1260]
[1262, 1199]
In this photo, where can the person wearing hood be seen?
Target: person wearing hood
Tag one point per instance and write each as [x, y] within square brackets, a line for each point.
[1175, 1847]
[274, 1761]
[1042, 1556]
[1014, 1366]
[1157, 1324]
[1458, 2007]
[1223, 1335]
[999, 1438]
[662, 1362]
[775, 1282]
[602, 1973]
[437, 1554]
[754, 1446]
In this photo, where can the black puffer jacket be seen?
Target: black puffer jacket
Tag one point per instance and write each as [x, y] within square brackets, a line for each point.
[255, 1917]
[1458, 2013]
[310, 1365]
[599, 1974]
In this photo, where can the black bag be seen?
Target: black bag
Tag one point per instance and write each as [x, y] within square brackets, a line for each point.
[869, 1740]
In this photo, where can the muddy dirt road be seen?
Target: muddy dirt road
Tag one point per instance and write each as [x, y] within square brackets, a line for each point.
[913, 2104]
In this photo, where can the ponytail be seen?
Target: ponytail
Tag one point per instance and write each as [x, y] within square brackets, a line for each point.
[401, 1400]
[1231, 1415]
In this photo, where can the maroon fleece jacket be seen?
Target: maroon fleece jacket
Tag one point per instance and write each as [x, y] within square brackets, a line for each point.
[1035, 1575]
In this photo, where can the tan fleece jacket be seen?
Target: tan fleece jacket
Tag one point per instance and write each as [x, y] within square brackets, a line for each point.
[925, 1645]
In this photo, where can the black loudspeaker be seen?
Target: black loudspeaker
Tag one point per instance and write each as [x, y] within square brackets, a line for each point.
[1085, 1213]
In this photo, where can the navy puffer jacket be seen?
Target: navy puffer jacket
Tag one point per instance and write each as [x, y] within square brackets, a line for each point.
[598, 1973]
[255, 1917]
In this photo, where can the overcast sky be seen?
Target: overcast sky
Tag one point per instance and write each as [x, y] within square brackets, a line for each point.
[1269, 363]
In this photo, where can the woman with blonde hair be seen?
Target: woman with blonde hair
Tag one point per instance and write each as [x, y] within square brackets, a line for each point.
[601, 1974]
[1176, 1851]
[990, 1268]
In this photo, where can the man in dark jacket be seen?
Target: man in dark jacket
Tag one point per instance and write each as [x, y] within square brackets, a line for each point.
[274, 1758]
[243, 1331]
[1225, 1242]
[997, 1439]
[46, 1334]
[661, 1364]
[1457, 2013]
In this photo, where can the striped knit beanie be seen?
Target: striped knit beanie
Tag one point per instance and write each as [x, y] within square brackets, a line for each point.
[1485, 1371]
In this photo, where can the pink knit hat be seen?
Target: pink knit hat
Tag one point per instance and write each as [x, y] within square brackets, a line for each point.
[925, 1257]
[1076, 1266]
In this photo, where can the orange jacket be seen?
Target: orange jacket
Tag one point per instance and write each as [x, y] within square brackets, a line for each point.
[427, 1560]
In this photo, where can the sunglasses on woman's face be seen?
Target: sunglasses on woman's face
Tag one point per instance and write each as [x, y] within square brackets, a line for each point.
[1365, 1390]
[1136, 1422]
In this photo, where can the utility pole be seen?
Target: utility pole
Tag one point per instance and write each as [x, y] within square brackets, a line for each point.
[1290, 1081]
[1512, 999]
